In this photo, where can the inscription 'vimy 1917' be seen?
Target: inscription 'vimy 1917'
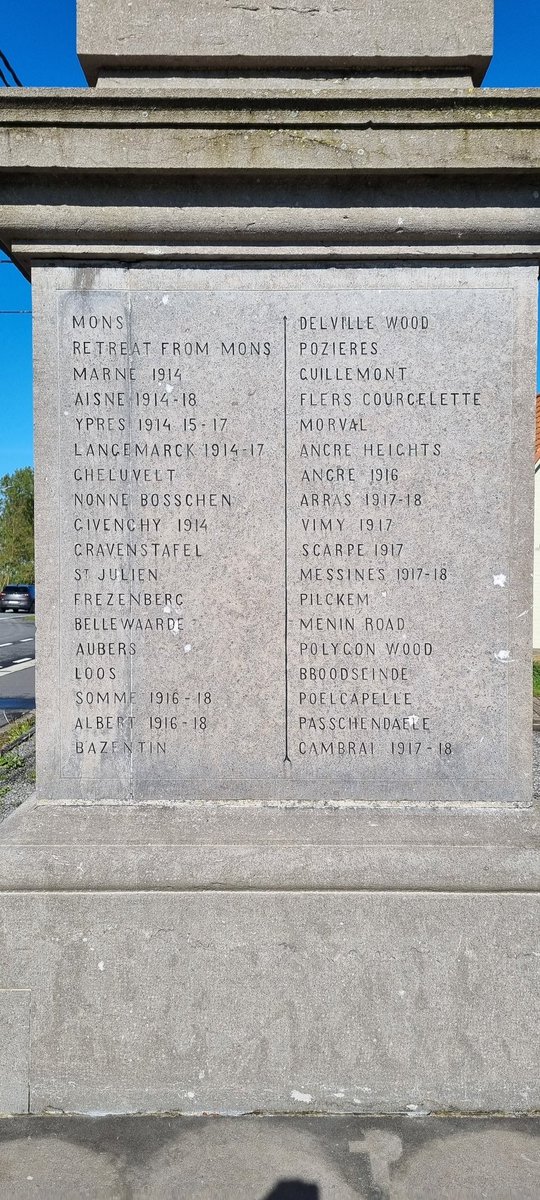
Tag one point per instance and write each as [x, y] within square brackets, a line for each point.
[272, 505]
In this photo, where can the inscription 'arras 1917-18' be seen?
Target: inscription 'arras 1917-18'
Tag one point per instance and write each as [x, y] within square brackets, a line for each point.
[272, 506]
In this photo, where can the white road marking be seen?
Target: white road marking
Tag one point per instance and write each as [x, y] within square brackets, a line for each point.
[26, 640]
[22, 666]
[3, 644]
[19, 660]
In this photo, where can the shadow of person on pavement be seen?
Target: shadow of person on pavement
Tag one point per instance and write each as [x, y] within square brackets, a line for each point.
[293, 1189]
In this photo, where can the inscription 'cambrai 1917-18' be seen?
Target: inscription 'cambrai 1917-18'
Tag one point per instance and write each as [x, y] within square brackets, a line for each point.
[275, 505]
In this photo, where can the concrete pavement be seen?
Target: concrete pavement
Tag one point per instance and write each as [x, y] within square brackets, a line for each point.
[270, 1158]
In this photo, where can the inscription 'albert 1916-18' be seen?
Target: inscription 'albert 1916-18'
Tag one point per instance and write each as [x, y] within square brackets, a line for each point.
[272, 504]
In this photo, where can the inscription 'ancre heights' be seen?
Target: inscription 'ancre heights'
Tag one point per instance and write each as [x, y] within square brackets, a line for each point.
[262, 562]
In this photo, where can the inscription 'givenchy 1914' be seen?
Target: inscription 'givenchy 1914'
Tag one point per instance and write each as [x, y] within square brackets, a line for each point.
[265, 498]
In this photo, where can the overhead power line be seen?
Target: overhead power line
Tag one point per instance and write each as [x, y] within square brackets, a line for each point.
[5, 60]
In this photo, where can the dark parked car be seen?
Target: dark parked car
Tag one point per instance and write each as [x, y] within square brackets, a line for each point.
[18, 597]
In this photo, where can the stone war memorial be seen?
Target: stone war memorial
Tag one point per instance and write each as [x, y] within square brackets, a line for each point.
[283, 856]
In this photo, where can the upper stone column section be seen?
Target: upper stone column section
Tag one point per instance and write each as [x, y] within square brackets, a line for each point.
[430, 37]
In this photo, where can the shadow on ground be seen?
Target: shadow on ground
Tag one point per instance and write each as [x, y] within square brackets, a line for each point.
[294, 1189]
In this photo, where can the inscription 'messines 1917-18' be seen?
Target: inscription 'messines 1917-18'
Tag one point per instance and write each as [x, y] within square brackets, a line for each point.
[264, 564]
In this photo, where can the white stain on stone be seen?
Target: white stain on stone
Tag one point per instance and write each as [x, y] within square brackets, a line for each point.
[502, 655]
[165, 300]
[412, 721]
[191, 1095]
[187, 648]
[168, 388]
[382, 1149]
[167, 609]
[499, 580]
[301, 1097]
[101, 966]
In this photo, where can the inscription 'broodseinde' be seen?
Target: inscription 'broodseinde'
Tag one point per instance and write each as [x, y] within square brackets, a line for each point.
[272, 508]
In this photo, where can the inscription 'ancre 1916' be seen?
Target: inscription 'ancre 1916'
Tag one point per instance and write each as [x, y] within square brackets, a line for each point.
[272, 505]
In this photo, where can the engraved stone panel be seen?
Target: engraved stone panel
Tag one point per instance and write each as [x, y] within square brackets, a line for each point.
[282, 526]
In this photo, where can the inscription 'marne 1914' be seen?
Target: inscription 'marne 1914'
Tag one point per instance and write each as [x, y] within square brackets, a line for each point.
[272, 506]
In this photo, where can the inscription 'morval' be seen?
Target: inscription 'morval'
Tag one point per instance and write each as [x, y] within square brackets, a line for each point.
[266, 500]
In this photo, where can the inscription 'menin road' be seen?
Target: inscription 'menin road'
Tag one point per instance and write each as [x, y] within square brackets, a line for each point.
[272, 507]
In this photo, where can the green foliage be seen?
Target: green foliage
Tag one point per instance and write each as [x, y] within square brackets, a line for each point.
[536, 678]
[17, 527]
[11, 761]
[15, 730]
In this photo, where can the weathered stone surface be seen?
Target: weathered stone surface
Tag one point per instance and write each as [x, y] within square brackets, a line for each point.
[79, 847]
[276, 580]
[278, 1002]
[380, 34]
[14, 1047]
[190, 131]
[437, 218]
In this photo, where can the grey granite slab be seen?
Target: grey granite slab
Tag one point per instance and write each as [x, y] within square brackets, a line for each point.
[283, 513]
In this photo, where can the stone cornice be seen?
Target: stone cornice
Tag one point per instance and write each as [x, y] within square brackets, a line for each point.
[88, 173]
[184, 130]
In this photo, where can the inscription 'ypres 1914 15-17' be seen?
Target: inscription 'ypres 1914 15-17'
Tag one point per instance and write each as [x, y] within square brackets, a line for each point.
[272, 505]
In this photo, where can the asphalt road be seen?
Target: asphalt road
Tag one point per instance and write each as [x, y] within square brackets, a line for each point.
[17, 655]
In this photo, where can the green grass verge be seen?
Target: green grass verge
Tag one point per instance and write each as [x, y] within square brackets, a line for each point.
[536, 678]
[16, 730]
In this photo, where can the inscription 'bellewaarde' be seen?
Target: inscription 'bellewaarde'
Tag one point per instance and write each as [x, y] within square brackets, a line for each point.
[265, 503]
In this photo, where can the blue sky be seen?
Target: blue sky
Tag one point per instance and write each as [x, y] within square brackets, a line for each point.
[38, 37]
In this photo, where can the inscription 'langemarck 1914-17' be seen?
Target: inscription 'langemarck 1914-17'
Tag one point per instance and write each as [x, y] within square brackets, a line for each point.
[267, 516]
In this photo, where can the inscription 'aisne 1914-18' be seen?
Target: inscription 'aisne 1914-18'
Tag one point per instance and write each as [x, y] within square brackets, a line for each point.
[263, 556]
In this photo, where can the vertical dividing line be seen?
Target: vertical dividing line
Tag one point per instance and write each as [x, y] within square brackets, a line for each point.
[286, 539]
